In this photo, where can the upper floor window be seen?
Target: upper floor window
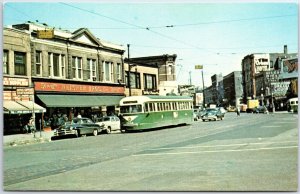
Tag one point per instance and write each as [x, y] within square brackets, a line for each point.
[91, 66]
[149, 81]
[38, 63]
[56, 64]
[108, 73]
[119, 70]
[5, 62]
[169, 70]
[77, 68]
[20, 63]
[134, 78]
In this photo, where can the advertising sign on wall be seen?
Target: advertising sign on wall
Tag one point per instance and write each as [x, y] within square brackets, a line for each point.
[289, 68]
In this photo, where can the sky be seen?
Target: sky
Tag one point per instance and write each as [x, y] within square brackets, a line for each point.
[216, 35]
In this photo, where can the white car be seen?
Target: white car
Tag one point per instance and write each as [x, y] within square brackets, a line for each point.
[109, 123]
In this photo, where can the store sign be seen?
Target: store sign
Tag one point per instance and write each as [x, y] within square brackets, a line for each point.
[150, 92]
[198, 66]
[25, 91]
[77, 88]
[280, 88]
[47, 34]
[8, 81]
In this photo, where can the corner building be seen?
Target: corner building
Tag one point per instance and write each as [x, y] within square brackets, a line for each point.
[74, 73]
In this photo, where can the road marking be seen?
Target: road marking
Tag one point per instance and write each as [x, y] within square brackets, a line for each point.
[284, 122]
[216, 151]
[225, 145]
[270, 126]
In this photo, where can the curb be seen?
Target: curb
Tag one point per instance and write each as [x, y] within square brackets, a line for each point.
[14, 143]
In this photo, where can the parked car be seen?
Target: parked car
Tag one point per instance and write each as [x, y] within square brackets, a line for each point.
[222, 110]
[78, 127]
[109, 123]
[261, 109]
[213, 114]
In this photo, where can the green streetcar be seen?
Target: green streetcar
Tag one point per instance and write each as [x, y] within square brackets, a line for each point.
[148, 112]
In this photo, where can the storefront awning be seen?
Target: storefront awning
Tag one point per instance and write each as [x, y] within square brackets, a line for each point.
[33, 107]
[78, 100]
[21, 107]
[12, 107]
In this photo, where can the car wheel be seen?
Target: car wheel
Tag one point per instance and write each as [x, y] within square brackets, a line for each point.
[95, 132]
[108, 130]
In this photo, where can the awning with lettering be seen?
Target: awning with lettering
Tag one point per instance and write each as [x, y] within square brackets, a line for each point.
[12, 107]
[33, 107]
[78, 100]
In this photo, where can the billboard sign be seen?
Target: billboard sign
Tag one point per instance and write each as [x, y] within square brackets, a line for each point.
[289, 68]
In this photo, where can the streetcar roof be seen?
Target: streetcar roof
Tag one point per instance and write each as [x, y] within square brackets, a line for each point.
[152, 98]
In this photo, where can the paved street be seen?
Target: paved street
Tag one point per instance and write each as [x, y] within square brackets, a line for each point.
[253, 152]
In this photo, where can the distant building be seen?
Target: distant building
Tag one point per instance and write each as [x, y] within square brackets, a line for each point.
[167, 83]
[261, 71]
[214, 93]
[233, 89]
[144, 79]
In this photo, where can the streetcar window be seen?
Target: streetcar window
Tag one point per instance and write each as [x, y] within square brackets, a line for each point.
[151, 107]
[131, 109]
[167, 106]
[146, 107]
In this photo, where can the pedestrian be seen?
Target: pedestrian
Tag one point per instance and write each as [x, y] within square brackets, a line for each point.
[31, 125]
[238, 112]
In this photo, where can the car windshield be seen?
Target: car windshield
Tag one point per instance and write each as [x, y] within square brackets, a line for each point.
[106, 119]
[211, 110]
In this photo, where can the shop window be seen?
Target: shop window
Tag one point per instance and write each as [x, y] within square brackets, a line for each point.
[5, 62]
[77, 68]
[20, 63]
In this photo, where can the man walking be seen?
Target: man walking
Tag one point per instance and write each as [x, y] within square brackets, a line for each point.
[238, 111]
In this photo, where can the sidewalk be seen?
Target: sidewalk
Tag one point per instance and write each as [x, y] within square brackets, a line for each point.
[25, 139]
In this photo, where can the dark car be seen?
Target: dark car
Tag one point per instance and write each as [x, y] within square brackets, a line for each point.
[78, 127]
[213, 114]
[261, 109]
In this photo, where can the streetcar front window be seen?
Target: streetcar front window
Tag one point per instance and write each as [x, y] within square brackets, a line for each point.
[131, 109]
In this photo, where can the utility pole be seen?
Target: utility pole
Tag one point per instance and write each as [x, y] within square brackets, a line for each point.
[203, 88]
[201, 67]
[129, 68]
[190, 78]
